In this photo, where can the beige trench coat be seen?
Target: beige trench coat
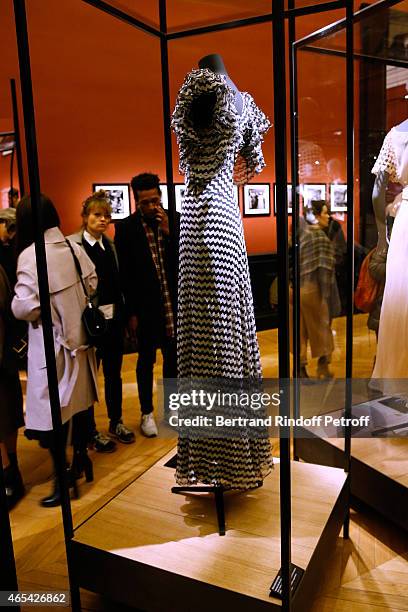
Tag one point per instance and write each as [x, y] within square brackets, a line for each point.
[76, 363]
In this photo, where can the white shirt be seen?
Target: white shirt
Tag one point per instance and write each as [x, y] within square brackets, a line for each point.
[92, 240]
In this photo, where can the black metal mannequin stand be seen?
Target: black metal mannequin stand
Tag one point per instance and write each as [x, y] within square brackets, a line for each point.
[218, 491]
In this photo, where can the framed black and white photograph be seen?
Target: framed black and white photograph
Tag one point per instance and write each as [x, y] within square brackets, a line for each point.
[164, 196]
[338, 197]
[119, 196]
[289, 192]
[180, 191]
[312, 192]
[257, 200]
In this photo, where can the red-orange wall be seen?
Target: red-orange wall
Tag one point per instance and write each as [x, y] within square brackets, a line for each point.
[97, 89]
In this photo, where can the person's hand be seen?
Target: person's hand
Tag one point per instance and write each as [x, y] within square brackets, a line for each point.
[132, 325]
[393, 189]
[163, 220]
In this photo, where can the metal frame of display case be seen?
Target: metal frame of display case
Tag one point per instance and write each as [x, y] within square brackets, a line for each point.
[296, 45]
[15, 146]
[278, 20]
[17, 136]
[365, 477]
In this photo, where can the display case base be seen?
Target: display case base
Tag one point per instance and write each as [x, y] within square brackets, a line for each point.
[379, 470]
[153, 550]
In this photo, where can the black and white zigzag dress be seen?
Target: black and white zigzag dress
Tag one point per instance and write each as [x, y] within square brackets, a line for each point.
[216, 324]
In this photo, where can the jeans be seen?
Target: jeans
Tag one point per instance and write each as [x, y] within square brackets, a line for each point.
[145, 363]
[110, 353]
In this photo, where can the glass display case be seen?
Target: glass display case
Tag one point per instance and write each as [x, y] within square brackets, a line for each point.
[324, 144]
[177, 555]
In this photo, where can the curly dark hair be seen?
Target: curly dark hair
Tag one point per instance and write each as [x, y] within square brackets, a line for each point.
[144, 182]
[317, 206]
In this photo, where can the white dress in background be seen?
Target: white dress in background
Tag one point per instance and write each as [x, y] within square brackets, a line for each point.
[392, 351]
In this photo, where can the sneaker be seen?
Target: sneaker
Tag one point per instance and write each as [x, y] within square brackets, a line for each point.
[102, 444]
[148, 426]
[121, 433]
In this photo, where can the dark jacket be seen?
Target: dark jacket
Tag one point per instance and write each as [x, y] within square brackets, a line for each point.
[140, 283]
[114, 287]
[11, 397]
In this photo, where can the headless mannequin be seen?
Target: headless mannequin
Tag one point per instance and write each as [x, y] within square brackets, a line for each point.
[202, 107]
[379, 199]
[215, 63]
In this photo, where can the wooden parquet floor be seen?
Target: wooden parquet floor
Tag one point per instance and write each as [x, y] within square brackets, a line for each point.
[367, 573]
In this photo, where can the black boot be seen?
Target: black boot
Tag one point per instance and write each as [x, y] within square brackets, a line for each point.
[80, 437]
[81, 463]
[14, 485]
[54, 499]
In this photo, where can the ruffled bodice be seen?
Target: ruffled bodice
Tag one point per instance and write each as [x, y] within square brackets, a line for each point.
[233, 141]
[393, 157]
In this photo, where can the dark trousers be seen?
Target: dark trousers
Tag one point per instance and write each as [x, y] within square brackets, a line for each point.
[148, 345]
[110, 353]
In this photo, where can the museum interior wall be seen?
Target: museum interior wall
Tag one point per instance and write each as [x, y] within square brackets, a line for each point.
[98, 99]
[99, 108]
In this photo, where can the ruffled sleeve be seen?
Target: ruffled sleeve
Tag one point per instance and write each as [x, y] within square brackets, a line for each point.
[386, 160]
[250, 160]
[196, 144]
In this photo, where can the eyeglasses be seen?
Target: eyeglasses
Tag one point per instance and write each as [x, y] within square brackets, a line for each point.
[155, 201]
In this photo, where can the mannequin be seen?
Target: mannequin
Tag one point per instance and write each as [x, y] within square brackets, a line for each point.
[392, 166]
[215, 63]
[379, 199]
[217, 129]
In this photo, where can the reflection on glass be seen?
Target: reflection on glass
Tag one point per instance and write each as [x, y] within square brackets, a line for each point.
[379, 34]
[381, 110]
[184, 14]
[147, 12]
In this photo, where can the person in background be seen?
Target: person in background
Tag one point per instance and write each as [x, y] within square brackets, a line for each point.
[17, 335]
[7, 240]
[96, 216]
[75, 359]
[142, 244]
[334, 232]
[11, 399]
[13, 196]
[319, 297]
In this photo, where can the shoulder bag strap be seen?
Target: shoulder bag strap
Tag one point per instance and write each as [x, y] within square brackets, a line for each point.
[78, 269]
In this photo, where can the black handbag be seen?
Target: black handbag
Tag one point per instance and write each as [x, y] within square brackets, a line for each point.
[93, 319]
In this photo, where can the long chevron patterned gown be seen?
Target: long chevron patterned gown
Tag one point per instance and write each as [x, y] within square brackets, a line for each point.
[216, 324]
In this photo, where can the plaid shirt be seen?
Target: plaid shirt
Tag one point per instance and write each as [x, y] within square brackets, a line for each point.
[157, 251]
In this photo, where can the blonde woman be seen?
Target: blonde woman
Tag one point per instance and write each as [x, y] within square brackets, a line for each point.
[96, 216]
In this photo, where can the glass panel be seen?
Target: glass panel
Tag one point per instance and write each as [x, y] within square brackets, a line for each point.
[381, 104]
[98, 122]
[307, 24]
[380, 94]
[380, 34]
[147, 11]
[323, 218]
[183, 14]
[305, 3]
